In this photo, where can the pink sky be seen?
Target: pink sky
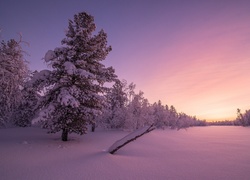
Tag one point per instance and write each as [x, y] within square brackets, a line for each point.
[210, 73]
[191, 54]
[205, 69]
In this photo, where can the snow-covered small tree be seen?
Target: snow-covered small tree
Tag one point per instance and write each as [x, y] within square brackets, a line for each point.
[13, 71]
[118, 97]
[77, 82]
[130, 91]
[115, 111]
[138, 111]
[160, 115]
[184, 121]
[243, 119]
[25, 112]
[173, 116]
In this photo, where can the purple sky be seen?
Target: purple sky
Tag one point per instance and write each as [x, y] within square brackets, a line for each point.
[193, 54]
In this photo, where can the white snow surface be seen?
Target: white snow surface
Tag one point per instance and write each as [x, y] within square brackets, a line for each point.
[196, 153]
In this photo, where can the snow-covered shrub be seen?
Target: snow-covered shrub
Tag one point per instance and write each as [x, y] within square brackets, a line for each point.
[24, 114]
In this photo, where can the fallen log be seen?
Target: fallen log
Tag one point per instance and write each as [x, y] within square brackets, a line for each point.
[130, 137]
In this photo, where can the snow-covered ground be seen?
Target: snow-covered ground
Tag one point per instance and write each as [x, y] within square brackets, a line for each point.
[196, 153]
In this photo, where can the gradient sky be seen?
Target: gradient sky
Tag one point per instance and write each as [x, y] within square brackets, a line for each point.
[193, 54]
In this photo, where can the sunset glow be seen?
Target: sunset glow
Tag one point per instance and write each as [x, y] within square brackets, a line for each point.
[194, 55]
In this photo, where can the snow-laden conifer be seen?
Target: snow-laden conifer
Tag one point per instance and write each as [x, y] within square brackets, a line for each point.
[75, 85]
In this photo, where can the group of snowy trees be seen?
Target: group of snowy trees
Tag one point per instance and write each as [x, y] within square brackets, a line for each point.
[74, 93]
[127, 110]
[243, 119]
[66, 98]
[13, 75]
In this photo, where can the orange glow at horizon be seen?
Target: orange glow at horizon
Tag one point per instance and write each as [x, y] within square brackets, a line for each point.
[206, 70]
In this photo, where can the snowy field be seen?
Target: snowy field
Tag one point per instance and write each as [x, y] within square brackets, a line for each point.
[201, 153]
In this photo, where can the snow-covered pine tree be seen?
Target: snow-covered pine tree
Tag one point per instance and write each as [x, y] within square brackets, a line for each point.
[13, 71]
[76, 83]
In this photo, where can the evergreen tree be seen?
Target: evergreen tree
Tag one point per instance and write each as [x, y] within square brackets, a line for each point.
[13, 71]
[75, 86]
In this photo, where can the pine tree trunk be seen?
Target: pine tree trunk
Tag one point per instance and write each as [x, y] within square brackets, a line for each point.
[93, 128]
[64, 135]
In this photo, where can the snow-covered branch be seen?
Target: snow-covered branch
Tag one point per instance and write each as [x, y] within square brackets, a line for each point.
[129, 138]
